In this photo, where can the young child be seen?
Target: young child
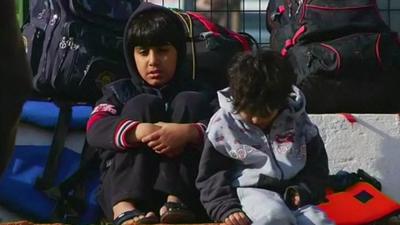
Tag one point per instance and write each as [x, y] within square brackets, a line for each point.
[149, 129]
[263, 161]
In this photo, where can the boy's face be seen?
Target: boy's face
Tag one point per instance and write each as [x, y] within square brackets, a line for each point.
[156, 65]
[262, 122]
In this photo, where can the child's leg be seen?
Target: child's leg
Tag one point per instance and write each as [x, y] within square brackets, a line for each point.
[173, 180]
[179, 174]
[311, 215]
[189, 107]
[177, 177]
[145, 108]
[189, 165]
[265, 207]
[129, 176]
[127, 182]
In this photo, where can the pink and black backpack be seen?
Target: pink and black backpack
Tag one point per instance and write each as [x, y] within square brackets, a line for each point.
[345, 56]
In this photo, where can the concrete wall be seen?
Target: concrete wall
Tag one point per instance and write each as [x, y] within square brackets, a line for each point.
[371, 143]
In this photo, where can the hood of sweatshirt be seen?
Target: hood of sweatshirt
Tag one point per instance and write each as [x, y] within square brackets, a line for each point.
[295, 107]
[279, 153]
[178, 81]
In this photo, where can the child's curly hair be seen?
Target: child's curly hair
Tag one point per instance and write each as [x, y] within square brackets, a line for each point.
[260, 83]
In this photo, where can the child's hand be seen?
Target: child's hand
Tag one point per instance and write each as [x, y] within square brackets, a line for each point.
[296, 200]
[142, 130]
[171, 139]
[237, 218]
[296, 196]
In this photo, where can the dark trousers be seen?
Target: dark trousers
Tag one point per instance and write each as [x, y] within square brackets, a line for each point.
[145, 178]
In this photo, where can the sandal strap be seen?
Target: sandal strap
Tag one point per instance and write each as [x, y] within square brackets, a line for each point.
[171, 206]
[127, 216]
[177, 213]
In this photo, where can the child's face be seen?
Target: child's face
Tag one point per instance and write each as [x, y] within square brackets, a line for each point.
[156, 65]
[262, 122]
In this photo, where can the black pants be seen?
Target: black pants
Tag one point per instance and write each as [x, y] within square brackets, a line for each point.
[145, 178]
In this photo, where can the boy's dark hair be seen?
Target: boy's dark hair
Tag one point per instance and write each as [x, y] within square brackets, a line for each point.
[260, 83]
[156, 28]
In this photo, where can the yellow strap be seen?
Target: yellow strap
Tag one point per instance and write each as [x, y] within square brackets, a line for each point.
[189, 27]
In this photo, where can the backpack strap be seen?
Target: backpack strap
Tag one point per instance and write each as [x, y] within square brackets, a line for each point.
[69, 195]
[46, 181]
[68, 205]
[189, 27]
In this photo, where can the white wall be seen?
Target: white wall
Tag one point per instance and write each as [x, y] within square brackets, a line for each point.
[372, 143]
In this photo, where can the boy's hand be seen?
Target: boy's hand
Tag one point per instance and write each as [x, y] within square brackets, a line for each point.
[296, 196]
[142, 130]
[296, 200]
[237, 218]
[171, 139]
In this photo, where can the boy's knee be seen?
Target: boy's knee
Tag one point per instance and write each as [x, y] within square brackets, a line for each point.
[143, 104]
[190, 99]
[145, 100]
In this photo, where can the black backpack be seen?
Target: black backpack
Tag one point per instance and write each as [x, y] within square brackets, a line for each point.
[210, 47]
[346, 57]
[75, 46]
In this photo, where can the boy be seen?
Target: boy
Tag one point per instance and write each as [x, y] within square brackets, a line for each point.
[149, 129]
[263, 161]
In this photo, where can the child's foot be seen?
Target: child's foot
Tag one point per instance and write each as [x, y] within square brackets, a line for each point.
[174, 211]
[135, 216]
[125, 213]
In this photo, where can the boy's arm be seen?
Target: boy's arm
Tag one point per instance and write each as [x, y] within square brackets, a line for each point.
[172, 138]
[105, 128]
[311, 182]
[217, 195]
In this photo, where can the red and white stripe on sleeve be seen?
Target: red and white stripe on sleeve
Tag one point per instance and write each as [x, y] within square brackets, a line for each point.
[201, 129]
[99, 112]
[122, 130]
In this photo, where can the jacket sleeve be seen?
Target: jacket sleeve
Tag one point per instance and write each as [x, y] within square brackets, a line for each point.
[203, 124]
[106, 128]
[313, 179]
[217, 195]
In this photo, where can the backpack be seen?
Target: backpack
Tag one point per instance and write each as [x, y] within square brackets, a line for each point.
[345, 56]
[75, 47]
[210, 47]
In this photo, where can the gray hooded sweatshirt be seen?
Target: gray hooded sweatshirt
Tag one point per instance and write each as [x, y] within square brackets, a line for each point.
[240, 154]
